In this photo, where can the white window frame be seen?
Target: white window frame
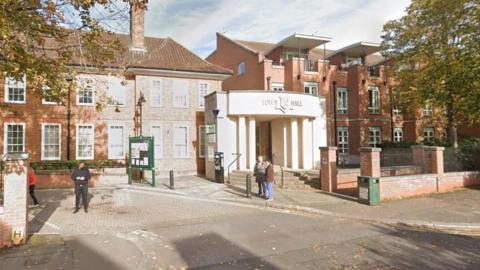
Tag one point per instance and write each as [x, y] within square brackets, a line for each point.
[374, 103]
[110, 155]
[186, 143]
[154, 90]
[343, 144]
[45, 88]
[5, 139]
[111, 89]
[278, 87]
[398, 135]
[77, 90]
[157, 154]
[428, 138]
[396, 110]
[202, 138]
[372, 140]
[342, 99]
[241, 68]
[175, 92]
[77, 141]
[310, 85]
[427, 110]
[201, 96]
[42, 150]
[9, 81]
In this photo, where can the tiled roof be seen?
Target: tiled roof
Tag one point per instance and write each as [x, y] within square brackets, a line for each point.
[161, 53]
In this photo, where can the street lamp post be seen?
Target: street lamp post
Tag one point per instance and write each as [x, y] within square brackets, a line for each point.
[141, 100]
[69, 79]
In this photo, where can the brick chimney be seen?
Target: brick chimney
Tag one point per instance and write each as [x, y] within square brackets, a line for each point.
[137, 31]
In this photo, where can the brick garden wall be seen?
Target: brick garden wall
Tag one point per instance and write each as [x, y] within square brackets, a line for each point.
[61, 179]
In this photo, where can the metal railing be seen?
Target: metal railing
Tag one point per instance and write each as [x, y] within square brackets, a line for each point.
[238, 155]
[310, 65]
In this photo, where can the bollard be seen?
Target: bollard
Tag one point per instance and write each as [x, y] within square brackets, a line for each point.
[249, 185]
[171, 181]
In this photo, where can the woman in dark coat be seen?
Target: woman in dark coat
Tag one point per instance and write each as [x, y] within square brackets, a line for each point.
[259, 173]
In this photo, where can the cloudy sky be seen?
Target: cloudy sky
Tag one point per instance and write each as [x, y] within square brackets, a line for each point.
[195, 22]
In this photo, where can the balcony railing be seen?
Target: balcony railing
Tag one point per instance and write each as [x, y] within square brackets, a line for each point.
[310, 65]
[374, 71]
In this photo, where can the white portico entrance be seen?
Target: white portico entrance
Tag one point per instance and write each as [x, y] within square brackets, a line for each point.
[286, 127]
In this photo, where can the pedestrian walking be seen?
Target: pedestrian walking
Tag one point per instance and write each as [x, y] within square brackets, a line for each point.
[32, 180]
[269, 176]
[80, 177]
[259, 173]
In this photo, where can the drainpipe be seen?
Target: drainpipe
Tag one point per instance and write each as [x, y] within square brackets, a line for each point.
[335, 116]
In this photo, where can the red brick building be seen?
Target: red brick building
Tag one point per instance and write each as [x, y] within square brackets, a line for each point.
[359, 114]
[172, 80]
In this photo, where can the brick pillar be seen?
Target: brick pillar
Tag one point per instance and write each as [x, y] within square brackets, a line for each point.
[370, 161]
[15, 200]
[328, 168]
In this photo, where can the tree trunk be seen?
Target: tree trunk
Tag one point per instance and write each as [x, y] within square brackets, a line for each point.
[452, 134]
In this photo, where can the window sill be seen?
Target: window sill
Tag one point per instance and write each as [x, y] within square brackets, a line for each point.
[16, 102]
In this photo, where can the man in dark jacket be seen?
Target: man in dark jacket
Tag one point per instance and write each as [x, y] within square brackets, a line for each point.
[269, 176]
[80, 177]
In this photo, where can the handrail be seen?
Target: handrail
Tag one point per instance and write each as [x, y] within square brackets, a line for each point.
[231, 163]
[281, 170]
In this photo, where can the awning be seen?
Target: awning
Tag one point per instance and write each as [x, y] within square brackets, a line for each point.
[299, 41]
[358, 49]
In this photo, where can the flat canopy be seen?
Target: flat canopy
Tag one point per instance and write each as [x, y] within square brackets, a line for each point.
[301, 41]
[358, 49]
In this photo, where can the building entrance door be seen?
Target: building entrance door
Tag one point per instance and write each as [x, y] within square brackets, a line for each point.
[264, 140]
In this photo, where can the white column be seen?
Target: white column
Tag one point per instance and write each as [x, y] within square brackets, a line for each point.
[251, 142]
[306, 144]
[285, 144]
[294, 142]
[242, 143]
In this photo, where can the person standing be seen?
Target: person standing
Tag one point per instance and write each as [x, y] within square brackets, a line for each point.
[269, 176]
[32, 180]
[80, 177]
[259, 173]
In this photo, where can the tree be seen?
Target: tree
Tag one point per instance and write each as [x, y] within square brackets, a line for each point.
[41, 39]
[435, 48]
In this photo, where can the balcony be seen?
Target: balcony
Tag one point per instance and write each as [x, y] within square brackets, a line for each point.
[310, 65]
[374, 72]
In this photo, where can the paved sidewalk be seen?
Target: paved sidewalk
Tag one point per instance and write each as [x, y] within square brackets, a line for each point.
[458, 209]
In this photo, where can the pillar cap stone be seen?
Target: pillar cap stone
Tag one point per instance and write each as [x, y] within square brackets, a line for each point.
[370, 149]
[334, 148]
[427, 147]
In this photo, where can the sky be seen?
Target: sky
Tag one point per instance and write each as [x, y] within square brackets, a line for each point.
[194, 23]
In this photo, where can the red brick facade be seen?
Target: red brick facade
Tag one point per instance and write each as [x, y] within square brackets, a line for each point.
[265, 65]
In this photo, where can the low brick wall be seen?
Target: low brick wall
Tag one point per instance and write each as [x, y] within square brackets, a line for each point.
[61, 179]
[347, 178]
[396, 157]
[454, 180]
[397, 187]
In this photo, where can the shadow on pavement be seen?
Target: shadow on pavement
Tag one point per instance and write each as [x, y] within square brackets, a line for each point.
[53, 252]
[212, 251]
[50, 200]
[414, 248]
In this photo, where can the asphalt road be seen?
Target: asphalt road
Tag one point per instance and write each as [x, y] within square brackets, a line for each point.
[137, 230]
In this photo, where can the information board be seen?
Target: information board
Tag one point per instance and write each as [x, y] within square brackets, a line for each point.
[141, 152]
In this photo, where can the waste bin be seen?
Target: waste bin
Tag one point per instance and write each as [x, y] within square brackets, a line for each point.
[368, 190]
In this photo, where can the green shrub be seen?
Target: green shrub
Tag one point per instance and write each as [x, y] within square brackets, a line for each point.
[390, 144]
[71, 164]
[469, 153]
[437, 142]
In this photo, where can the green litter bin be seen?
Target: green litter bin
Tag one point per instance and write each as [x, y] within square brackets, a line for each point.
[368, 190]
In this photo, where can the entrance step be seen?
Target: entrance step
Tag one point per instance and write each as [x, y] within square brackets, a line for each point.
[292, 179]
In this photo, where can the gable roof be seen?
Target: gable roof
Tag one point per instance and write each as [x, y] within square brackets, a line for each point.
[160, 54]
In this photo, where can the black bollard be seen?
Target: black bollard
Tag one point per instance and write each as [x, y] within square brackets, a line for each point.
[249, 186]
[171, 181]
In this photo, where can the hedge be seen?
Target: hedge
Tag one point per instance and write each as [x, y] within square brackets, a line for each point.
[71, 164]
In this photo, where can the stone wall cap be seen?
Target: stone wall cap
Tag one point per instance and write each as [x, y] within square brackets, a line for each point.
[370, 149]
[328, 148]
[428, 147]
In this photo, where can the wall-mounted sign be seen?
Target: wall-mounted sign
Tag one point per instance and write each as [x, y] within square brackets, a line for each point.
[274, 103]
